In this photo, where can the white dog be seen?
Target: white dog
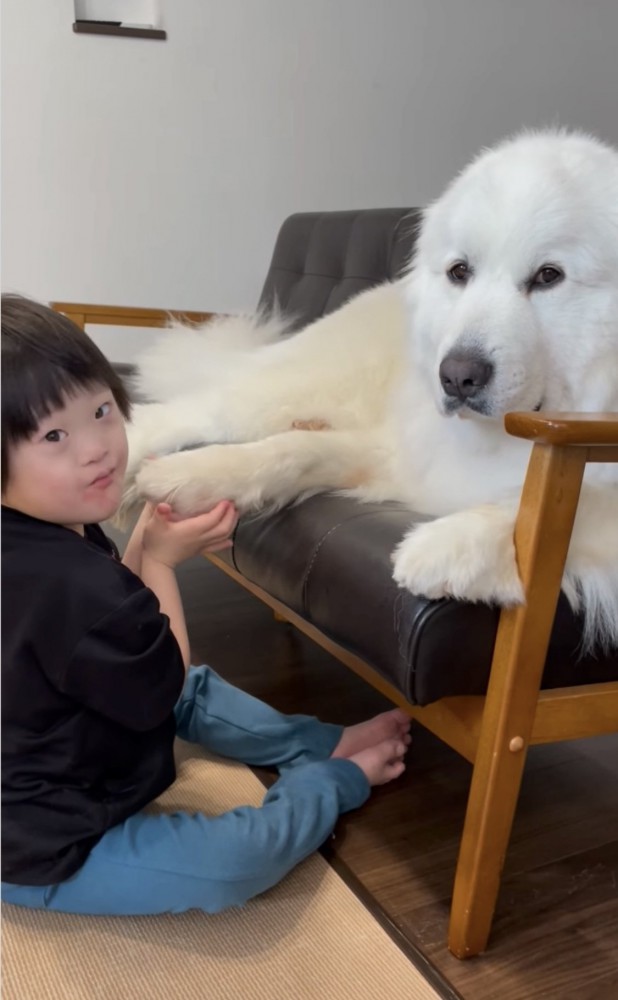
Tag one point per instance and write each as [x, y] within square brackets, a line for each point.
[511, 304]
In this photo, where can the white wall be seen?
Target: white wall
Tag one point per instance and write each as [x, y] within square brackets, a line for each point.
[157, 173]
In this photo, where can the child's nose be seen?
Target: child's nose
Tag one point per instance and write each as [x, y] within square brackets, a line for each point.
[94, 452]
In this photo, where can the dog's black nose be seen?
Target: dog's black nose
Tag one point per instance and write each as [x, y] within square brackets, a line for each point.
[463, 375]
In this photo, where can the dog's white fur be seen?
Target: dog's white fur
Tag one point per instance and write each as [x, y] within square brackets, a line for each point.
[371, 372]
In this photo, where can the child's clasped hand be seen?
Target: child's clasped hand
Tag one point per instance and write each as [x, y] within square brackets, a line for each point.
[171, 539]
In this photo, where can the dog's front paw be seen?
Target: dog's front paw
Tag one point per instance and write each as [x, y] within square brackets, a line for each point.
[174, 479]
[194, 481]
[469, 556]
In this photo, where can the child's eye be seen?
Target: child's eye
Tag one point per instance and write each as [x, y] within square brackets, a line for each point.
[103, 410]
[54, 436]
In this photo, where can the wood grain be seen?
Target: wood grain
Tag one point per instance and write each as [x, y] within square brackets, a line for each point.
[564, 428]
[83, 314]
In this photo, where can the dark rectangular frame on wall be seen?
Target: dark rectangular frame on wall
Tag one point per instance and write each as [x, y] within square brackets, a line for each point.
[117, 28]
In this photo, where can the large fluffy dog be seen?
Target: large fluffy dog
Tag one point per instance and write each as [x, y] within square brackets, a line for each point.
[511, 303]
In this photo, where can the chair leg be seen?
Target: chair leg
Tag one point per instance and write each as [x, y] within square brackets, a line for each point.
[494, 792]
[542, 533]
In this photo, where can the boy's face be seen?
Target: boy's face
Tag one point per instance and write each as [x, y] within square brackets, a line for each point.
[70, 471]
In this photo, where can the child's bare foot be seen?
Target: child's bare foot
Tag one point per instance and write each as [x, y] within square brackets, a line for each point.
[386, 726]
[381, 762]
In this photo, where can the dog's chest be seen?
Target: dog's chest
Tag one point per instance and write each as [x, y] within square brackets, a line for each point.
[444, 464]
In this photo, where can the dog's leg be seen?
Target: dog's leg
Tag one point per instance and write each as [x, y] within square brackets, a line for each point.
[271, 472]
[163, 428]
[217, 418]
[470, 556]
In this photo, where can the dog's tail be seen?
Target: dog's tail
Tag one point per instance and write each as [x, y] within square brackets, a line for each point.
[190, 357]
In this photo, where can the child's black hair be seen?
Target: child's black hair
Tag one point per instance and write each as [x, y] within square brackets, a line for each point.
[45, 358]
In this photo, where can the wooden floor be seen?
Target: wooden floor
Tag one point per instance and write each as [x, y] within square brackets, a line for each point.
[556, 929]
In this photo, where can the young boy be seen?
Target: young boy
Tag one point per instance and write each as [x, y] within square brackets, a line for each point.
[93, 672]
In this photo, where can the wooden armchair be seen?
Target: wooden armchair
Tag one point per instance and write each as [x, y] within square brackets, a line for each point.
[492, 731]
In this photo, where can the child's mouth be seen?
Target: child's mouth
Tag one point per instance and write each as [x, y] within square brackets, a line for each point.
[104, 480]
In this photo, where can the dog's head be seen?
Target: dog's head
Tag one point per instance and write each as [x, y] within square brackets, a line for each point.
[514, 288]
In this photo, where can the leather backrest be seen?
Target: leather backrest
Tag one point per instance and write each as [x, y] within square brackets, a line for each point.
[322, 259]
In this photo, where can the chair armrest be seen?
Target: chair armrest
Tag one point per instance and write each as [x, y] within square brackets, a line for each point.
[82, 313]
[586, 429]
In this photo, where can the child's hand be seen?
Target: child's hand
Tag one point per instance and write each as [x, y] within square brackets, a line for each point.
[171, 540]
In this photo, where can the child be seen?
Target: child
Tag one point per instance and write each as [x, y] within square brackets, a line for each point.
[93, 671]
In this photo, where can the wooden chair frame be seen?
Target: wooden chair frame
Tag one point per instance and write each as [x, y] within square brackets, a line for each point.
[493, 731]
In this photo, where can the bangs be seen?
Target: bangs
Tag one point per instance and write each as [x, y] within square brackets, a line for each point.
[38, 391]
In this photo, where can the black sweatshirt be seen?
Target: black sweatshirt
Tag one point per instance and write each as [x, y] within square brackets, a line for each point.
[91, 672]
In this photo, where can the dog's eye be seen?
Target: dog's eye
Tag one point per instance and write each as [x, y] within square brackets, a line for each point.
[546, 276]
[459, 273]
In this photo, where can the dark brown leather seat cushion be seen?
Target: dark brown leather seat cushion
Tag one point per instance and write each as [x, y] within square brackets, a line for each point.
[329, 559]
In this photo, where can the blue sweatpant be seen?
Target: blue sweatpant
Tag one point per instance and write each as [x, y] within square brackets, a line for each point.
[174, 862]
